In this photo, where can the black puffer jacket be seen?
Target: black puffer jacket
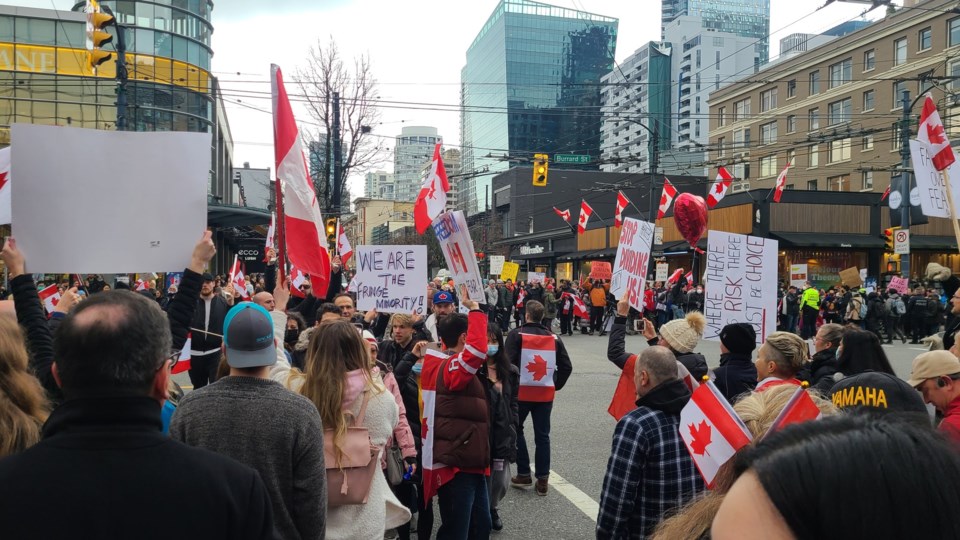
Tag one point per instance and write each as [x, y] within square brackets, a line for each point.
[504, 414]
[736, 375]
[695, 363]
[31, 318]
[820, 371]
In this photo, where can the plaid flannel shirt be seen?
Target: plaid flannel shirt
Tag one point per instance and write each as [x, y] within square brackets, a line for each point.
[649, 473]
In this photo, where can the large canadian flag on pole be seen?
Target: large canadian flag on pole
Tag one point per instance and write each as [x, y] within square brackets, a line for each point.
[622, 202]
[305, 237]
[432, 199]
[931, 133]
[711, 430]
[719, 188]
[585, 212]
[781, 183]
[434, 474]
[666, 198]
[344, 249]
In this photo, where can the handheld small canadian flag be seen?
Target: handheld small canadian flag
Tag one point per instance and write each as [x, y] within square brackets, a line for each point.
[931, 133]
[800, 408]
[666, 198]
[236, 277]
[781, 183]
[585, 212]
[711, 430]
[564, 214]
[689, 276]
[183, 362]
[432, 199]
[50, 296]
[344, 249]
[622, 202]
[719, 188]
[297, 280]
[271, 231]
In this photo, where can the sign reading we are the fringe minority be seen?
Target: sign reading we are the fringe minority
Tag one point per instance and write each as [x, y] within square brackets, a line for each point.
[391, 279]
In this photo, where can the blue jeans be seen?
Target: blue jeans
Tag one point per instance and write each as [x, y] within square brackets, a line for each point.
[541, 438]
[464, 508]
[791, 324]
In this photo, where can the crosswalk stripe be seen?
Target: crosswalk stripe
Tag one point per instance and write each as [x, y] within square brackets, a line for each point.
[581, 500]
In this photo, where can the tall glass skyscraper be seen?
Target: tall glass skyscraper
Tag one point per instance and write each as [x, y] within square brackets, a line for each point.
[745, 18]
[531, 84]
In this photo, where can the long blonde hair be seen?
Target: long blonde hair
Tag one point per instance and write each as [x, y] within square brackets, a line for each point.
[23, 404]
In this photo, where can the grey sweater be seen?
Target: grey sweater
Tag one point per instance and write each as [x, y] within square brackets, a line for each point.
[263, 425]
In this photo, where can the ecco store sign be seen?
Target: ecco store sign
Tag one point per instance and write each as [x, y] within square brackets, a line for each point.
[249, 253]
[531, 250]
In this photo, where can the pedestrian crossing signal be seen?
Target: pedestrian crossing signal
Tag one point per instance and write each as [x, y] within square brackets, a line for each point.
[541, 167]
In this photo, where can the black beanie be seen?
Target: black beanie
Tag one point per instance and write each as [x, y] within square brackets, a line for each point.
[739, 338]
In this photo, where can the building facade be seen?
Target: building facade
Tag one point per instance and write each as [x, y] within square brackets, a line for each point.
[744, 18]
[372, 213]
[531, 84]
[379, 185]
[412, 148]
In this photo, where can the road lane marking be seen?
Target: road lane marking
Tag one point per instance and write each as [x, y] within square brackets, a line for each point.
[581, 500]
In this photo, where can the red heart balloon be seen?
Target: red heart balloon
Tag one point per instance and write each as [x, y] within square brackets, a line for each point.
[690, 215]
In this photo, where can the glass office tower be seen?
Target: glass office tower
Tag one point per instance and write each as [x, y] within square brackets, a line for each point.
[531, 84]
[745, 18]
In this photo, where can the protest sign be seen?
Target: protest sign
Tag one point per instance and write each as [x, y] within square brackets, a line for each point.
[536, 276]
[510, 271]
[77, 193]
[457, 247]
[496, 264]
[798, 275]
[741, 283]
[663, 272]
[391, 279]
[601, 270]
[851, 277]
[930, 184]
[629, 271]
[899, 284]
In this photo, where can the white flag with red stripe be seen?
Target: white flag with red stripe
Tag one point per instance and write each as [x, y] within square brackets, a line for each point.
[237, 278]
[719, 188]
[564, 214]
[666, 197]
[297, 280]
[712, 430]
[675, 275]
[183, 362]
[270, 232]
[521, 296]
[304, 230]
[800, 408]
[781, 183]
[50, 296]
[538, 362]
[689, 276]
[344, 249]
[432, 199]
[931, 133]
[585, 212]
[434, 474]
[622, 202]
[140, 285]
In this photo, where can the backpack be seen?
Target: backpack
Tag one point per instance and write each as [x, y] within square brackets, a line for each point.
[349, 481]
[900, 307]
[863, 310]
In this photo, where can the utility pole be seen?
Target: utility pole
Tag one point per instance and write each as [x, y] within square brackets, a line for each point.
[337, 155]
[327, 153]
[905, 178]
[121, 78]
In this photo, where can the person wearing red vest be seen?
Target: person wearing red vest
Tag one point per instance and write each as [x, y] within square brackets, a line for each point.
[544, 368]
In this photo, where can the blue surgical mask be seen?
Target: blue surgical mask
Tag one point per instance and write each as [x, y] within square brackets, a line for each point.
[492, 349]
[417, 368]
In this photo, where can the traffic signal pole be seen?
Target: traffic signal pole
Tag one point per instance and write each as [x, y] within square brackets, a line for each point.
[121, 78]
[905, 178]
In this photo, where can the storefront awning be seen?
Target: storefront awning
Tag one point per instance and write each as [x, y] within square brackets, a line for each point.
[933, 242]
[222, 216]
[855, 241]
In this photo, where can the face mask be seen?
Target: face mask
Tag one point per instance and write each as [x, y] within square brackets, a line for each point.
[291, 335]
[699, 290]
[417, 368]
[492, 350]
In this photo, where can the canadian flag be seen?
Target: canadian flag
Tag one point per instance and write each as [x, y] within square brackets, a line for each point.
[585, 212]
[344, 249]
[625, 396]
[432, 199]
[579, 308]
[538, 362]
[236, 277]
[520, 298]
[183, 361]
[781, 183]
[689, 276]
[675, 275]
[622, 202]
[719, 188]
[270, 233]
[930, 132]
[5, 205]
[434, 474]
[711, 430]
[306, 237]
[50, 296]
[666, 197]
[800, 408]
[297, 280]
[886, 193]
[140, 285]
[564, 214]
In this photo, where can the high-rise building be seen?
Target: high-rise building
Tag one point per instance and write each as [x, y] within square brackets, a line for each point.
[745, 18]
[379, 185]
[531, 84]
[412, 148]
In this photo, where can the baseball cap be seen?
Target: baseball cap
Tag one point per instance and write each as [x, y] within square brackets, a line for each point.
[931, 365]
[442, 297]
[207, 276]
[877, 391]
[248, 336]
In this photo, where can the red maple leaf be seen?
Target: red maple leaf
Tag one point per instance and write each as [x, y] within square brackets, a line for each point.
[935, 133]
[3, 179]
[719, 188]
[701, 437]
[423, 429]
[537, 367]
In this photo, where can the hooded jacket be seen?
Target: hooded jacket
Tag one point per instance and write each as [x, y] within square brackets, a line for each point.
[820, 371]
[736, 375]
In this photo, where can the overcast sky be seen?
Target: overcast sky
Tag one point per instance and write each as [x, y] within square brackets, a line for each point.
[417, 48]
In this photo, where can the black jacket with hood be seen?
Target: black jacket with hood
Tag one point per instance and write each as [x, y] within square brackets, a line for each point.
[736, 375]
[820, 371]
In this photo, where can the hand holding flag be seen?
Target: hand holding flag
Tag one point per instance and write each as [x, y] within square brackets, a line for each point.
[712, 430]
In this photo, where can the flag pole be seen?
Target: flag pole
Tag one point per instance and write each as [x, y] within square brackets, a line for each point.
[953, 212]
[232, 266]
[336, 240]
[281, 245]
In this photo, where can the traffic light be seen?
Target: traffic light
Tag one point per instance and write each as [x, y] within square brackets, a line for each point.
[541, 166]
[97, 37]
[331, 230]
[888, 237]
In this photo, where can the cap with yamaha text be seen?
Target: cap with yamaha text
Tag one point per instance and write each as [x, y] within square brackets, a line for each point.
[931, 365]
[248, 336]
[442, 297]
[877, 391]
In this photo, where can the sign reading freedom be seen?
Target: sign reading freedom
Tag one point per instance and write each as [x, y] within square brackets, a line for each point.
[741, 283]
[390, 279]
[633, 257]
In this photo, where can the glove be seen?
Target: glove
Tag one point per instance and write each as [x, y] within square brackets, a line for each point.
[938, 272]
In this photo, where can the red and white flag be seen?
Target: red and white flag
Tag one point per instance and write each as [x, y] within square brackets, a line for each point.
[521, 296]
[183, 362]
[564, 214]
[931, 133]
[675, 275]
[344, 249]
[237, 278]
[270, 233]
[689, 276]
[622, 202]
[538, 362]
[781, 183]
[666, 197]
[719, 188]
[585, 212]
[5, 205]
[297, 280]
[800, 408]
[304, 230]
[579, 308]
[434, 474]
[886, 193]
[432, 199]
[140, 285]
[50, 296]
[711, 430]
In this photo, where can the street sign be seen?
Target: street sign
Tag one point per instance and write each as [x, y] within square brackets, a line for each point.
[658, 236]
[901, 242]
[571, 158]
